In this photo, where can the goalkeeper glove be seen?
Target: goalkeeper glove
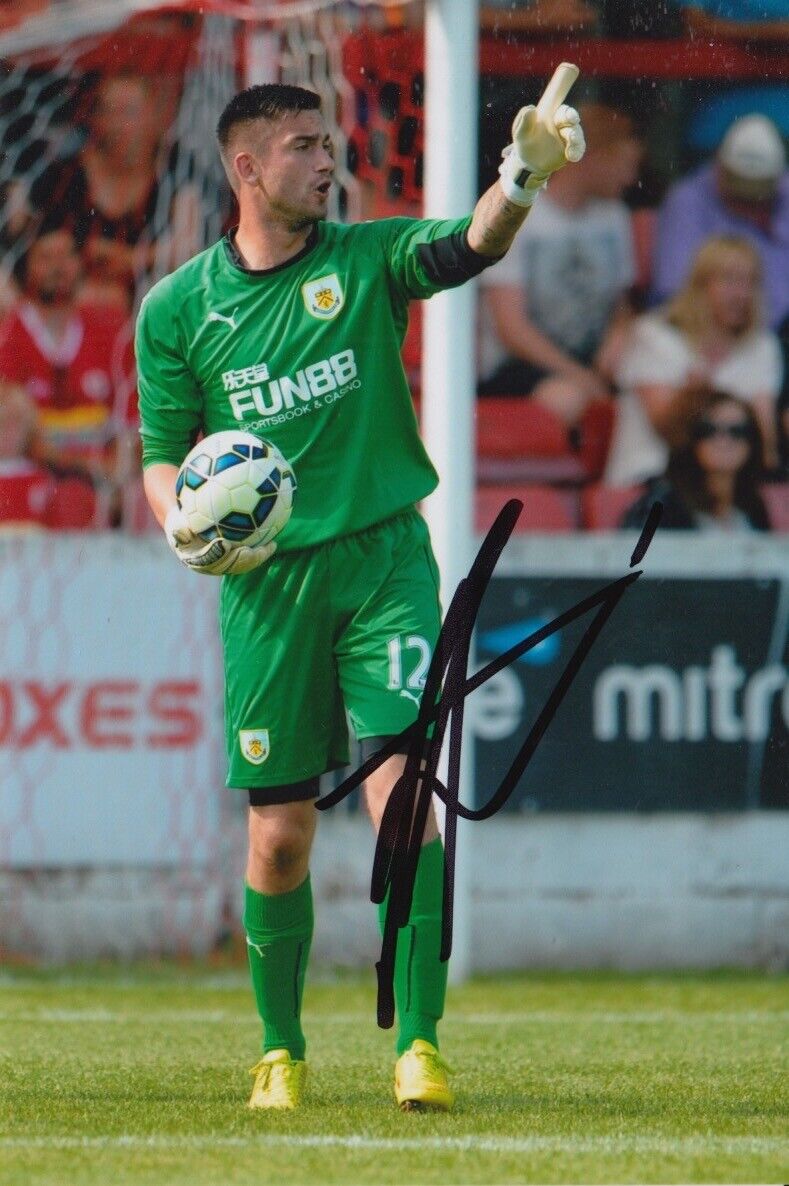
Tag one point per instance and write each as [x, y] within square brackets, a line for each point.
[217, 557]
[538, 149]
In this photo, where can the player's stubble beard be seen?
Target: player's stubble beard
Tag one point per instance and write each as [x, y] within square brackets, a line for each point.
[295, 220]
[299, 221]
[303, 224]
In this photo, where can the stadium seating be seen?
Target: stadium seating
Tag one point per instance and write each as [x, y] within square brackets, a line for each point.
[30, 495]
[596, 430]
[74, 507]
[776, 498]
[602, 506]
[519, 440]
[544, 508]
[509, 428]
[25, 493]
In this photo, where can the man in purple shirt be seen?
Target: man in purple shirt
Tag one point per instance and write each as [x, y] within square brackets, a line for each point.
[744, 191]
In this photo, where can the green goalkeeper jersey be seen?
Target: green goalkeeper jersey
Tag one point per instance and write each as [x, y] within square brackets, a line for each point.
[306, 355]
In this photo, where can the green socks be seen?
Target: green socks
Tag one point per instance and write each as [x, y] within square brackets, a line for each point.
[420, 980]
[279, 933]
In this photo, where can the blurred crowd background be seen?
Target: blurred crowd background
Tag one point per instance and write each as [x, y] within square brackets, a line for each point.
[632, 344]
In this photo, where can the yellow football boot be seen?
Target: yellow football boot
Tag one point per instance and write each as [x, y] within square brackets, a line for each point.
[421, 1079]
[279, 1081]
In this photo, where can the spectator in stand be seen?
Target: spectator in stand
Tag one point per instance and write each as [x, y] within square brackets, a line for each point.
[71, 360]
[25, 487]
[710, 331]
[109, 193]
[558, 301]
[744, 191]
[714, 467]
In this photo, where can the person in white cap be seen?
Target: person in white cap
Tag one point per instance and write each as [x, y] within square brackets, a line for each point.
[744, 191]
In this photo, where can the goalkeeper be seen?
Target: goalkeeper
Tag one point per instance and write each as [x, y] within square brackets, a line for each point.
[290, 327]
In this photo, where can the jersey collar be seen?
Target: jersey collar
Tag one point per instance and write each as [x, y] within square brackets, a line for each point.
[233, 255]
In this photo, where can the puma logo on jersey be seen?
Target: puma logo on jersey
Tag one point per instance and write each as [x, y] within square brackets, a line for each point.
[231, 320]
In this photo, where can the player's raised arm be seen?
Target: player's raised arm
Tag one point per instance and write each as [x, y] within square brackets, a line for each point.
[544, 138]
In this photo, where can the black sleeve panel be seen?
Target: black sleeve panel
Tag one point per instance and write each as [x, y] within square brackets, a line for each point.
[450, 261]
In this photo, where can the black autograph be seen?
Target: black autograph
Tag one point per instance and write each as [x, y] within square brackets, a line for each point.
[403, 823]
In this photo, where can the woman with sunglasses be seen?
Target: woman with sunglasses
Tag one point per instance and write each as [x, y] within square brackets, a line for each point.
[711, 332]
[714, 467]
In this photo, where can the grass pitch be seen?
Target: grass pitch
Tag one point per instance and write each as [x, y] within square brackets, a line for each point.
[109, 1078]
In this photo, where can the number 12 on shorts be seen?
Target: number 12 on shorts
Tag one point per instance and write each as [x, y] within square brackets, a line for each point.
[410, 655]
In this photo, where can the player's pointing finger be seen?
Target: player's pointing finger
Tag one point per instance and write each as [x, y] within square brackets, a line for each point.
[544, 138]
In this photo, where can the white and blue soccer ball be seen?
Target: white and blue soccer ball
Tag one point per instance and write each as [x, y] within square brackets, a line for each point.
[237, 487]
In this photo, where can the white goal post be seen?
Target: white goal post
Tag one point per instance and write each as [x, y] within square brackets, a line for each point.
[448, 387]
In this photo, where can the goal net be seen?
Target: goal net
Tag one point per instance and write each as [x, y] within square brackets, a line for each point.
[365, 60]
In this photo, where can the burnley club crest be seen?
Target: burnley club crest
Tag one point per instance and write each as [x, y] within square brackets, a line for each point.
[323, 298]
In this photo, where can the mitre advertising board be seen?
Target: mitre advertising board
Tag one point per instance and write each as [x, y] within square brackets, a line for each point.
[682, 703]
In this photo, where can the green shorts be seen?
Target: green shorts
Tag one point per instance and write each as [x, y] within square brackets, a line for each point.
[348, 625]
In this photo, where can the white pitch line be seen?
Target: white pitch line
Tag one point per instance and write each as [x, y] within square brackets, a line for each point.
[535, 1017]
[115, 1016]
[478, 1143]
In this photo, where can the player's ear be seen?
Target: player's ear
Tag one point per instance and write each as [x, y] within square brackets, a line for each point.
[245, 168]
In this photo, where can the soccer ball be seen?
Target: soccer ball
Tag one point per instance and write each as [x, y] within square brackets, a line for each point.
[237, 487]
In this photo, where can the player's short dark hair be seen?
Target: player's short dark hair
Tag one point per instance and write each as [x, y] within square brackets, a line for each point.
[266, 101]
